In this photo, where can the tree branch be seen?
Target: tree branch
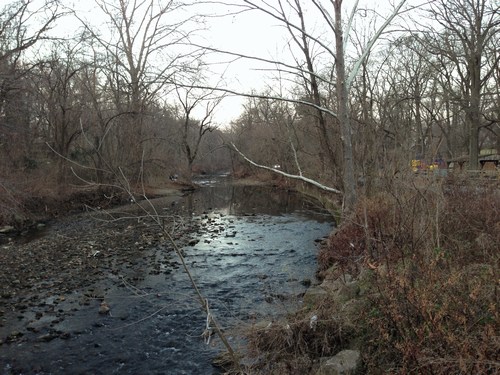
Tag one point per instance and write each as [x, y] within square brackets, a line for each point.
[292, 176]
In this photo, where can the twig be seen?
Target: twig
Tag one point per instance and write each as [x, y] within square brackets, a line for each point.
[124, 185]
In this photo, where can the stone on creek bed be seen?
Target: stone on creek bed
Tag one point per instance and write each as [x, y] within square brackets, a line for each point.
[346, 362]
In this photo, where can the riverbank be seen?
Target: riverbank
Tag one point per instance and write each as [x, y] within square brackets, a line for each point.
[73, 253]
[22, 211]
[409, 284]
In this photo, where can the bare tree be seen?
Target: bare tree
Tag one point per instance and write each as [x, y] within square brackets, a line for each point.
[61, 105]
[193, 131]
[310, 77]
[23, 25]
[17, 34]
[342, 85]
[141, 55]
[341, 81]
[468, 29]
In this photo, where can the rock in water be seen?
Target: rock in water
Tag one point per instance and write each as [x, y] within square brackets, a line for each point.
[104, 308]
[7, 229]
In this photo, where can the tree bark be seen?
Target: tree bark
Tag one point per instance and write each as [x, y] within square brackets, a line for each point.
[343, 114]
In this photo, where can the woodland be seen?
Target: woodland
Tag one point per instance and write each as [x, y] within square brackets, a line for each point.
[141, 84]
[355, 95]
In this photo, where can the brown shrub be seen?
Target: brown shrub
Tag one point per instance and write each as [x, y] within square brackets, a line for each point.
[435, 321]
[470, 225]
[383, 228]
[436, 295]
[434, 246]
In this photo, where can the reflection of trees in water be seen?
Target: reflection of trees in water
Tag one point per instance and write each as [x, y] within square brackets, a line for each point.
[248, 199]
[243, 199]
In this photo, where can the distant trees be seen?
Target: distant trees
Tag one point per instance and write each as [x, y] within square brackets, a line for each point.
[264, 132]
[58, 92]
[467, 38]
[104, 98]
[134, 95]
[193, 131]
[426, 92]
[140, 54]
[324, 75]
[433, 95]
[23, 25]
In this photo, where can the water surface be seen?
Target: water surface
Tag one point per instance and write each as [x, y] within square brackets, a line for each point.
[252, 255]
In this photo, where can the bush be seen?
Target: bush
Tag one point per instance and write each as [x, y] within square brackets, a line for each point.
[384, 228]
[291, 346]
[435, 251]
[429, 305]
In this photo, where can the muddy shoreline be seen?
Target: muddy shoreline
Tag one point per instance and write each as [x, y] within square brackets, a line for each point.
[73, 254]
[63, 284]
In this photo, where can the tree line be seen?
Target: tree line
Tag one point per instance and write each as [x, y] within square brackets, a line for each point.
[360, 93]
[97, 100]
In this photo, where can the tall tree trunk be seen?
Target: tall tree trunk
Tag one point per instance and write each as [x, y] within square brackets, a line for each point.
[473, 112]
[343, 114]
[324, 138]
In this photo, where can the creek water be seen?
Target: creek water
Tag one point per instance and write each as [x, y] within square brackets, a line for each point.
[252, 257]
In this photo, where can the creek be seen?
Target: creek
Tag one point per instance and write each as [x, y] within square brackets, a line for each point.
[253, 255]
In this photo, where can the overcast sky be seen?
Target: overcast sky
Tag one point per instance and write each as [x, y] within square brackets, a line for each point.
[249, 33]
[254, 33]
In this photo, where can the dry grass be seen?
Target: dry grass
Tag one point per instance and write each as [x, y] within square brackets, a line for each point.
[291, 346]
[26, 197]
[436, 252]
[432, 304]
[17, 187]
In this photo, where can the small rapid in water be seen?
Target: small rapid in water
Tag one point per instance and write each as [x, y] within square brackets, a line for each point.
[252, 256]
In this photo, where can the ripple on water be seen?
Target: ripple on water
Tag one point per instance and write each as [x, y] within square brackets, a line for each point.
[256, 250]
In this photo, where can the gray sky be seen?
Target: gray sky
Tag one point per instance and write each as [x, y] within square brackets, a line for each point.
[249, 33]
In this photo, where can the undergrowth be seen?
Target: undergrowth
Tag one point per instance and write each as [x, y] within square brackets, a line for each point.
[433, 250]
[290, 346]
[27, 198]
